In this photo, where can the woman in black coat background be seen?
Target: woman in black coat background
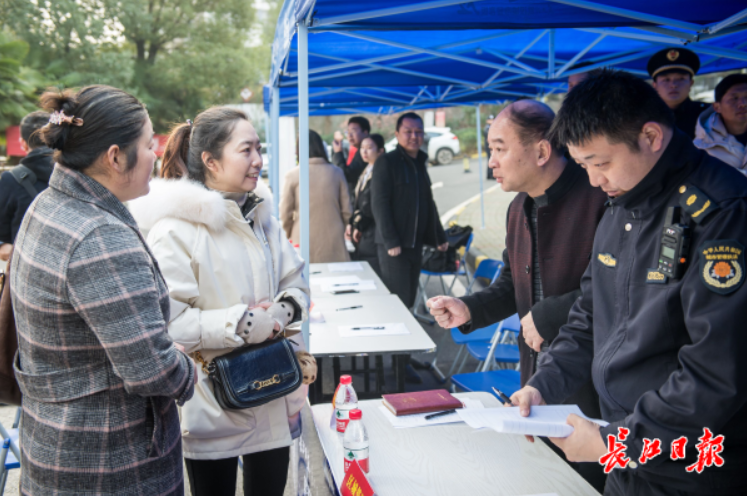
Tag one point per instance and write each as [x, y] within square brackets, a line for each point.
[362, 228]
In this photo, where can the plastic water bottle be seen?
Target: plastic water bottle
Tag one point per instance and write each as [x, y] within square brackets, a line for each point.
[355, 441]
[345, 400]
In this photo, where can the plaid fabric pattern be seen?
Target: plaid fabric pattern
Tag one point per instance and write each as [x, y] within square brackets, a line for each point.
[98, 372]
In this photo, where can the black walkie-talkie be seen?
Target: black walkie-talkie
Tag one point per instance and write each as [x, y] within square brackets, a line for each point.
[675, 243]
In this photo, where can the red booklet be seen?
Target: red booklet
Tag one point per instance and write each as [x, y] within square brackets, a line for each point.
[435, 400]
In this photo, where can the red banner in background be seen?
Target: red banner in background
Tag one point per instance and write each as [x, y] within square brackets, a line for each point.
[13, 137]
[355, 482]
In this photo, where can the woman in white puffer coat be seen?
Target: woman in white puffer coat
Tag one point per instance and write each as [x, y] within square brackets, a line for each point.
[233, 279]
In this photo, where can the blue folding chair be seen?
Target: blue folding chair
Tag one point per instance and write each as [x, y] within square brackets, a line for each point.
[502, 346]
[488, 269]
[461, 271]
[10, 454]
[506, 381]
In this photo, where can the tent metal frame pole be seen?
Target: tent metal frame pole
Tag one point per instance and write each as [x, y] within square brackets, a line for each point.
[517, 57]
[641, 54]
[551, 55]
[435, 53]
[661, 40]
[275, 150]
[727, 22]
[409, 53]
[479, 166]
[580, 54]
[741, 45]
[631, 14]
[405, 9]
[303, 152]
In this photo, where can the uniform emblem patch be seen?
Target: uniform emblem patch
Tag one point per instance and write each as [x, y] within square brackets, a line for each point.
[655, 277]
[607, 259]
[673, 55]
[722, 265]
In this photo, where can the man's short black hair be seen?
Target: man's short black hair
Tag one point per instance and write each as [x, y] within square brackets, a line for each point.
[611, 103]
[362, 123]
[408, 115]
[725, 84]
[31, 123]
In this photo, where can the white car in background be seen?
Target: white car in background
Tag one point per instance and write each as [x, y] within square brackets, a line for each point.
[443, 145]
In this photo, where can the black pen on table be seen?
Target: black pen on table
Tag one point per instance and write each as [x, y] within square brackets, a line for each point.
[346, 284]
[439, 414]
[376, 328]
[505, 399]
[349, 308]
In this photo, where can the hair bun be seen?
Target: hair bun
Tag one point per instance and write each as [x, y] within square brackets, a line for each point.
[54, 136]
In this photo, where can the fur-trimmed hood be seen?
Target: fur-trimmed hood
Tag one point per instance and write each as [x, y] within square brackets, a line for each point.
[191, 201]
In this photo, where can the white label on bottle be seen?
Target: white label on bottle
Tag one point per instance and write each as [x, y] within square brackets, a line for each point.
[360, 454]
[343, 418]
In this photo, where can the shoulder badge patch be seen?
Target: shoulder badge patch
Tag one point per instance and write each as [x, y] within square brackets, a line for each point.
[653, 276]
[722, 265]
[696, 204]
[607, 259]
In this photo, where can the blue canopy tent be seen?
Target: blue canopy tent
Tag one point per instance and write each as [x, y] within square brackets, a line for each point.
[396, 55]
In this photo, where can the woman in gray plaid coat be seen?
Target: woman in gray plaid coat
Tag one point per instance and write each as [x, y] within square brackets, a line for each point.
[98, 372]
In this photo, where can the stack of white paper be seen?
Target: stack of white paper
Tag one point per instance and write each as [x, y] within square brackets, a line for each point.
[549, 420]
[372, 330]
[345, 267]
[419, 420]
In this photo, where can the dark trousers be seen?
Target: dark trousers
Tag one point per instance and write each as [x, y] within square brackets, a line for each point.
[265, 474]
[366, 251]
[401, 273]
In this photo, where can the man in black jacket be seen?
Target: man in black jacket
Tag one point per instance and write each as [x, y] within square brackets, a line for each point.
[550, 232]
[404, 211]
[15, 198]
[659, 327]
[358, 130]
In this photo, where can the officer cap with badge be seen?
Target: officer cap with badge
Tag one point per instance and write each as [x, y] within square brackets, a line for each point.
[678, 59]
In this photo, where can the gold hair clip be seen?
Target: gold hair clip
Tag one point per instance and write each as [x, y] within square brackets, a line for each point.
[59, 118]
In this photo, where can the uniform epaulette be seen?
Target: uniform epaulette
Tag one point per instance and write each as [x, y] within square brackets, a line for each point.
[696, 203]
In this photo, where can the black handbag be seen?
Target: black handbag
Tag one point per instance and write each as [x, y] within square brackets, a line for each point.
[252, 376]
[439, 261]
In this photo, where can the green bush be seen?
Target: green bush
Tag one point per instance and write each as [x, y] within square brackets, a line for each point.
[467, 141]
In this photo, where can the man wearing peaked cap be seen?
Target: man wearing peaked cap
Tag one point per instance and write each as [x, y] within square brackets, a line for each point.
[673, 70]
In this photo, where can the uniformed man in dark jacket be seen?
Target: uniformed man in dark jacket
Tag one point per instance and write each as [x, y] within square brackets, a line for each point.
[16, 197]
[550, 228]
[352, 165]
[673, 70]
[659, 327]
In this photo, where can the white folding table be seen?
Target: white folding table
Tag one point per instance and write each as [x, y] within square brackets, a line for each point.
[451, 459]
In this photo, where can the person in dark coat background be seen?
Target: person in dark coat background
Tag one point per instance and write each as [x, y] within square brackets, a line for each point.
[550, 232]
[405, 214]
[404, 211]
[673, 70]
[353, 164]
[362, 227]
[14, 198]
